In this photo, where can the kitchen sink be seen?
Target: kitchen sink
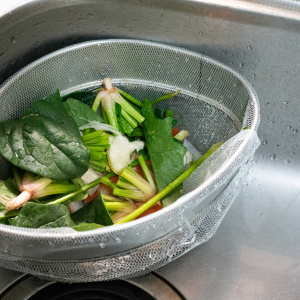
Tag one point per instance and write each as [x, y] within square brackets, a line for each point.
[255, 252]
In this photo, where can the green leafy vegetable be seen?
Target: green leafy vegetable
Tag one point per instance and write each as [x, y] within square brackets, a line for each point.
[171, 186]
[166, 155]
[35, 215]
[7, 189]
[86, 97]
[93, 212]
[81, 113]
[46, 141]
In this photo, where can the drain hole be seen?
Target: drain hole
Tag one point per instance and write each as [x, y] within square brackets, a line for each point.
[113, 290]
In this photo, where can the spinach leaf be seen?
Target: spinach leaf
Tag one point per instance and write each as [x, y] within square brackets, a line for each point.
[86, 226]
[8, 189]
[46, 141]
[166, 155]
[81, 112]
[93, 212]
[35, 215]
[86, 97]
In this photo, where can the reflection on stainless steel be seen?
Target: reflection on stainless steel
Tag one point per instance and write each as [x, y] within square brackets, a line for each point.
[255, 252]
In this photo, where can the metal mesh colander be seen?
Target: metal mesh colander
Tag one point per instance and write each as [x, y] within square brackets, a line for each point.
[215, 104]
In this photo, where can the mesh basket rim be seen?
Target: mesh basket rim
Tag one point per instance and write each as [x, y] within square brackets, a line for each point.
[44, 234]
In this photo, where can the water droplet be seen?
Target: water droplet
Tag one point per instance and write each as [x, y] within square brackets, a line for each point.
[241, 64]
[13, 40]
[118, 240]
[224, 52]
[102, 245]
[273, 156]
[249, 47]
[265, 142]
[288, 127]
[295, 131]
[201, 33]
[152, 255]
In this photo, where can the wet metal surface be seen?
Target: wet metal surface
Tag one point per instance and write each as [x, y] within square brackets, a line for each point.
[255, 253]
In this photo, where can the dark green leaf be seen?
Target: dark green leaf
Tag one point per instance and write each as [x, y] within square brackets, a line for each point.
[159, 113]
[86, 97]
[34, 215]
[46, 141]
[81, 112]
[93, 212]
[86, 226]
[8, 189]
[53, 97]
[166, 155]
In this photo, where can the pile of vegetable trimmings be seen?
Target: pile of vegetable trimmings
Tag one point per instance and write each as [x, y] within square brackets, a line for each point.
[73, 168]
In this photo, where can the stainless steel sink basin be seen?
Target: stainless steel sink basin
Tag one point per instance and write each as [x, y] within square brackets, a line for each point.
[255, 253]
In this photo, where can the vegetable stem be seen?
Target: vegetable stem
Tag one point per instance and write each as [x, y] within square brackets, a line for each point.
[124, 206]
[170, 187]
[129, 97]
[146, 171]
[75, 193]
[181, 135]
[138, 181]
[165, 97]
[129, 119]
[135, 195]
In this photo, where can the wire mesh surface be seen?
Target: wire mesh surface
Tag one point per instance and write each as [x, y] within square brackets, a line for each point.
[215, 105]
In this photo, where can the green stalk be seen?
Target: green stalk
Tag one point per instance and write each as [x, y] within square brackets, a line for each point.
[125, 185]
[181, 135]
[135, 179]
[95, 107]
[105, 119]
[56, 188]
[97, 148]
[97, 101]
[111, 198]
[97, 166]
[146, 171]
[91, 137]
[127, 117]
[135, 195]
[124, 206]
[75, 193]
[109, 107]
[127, 107]
[129, 97]
[107, 182]
[165, 97]
[170, 187]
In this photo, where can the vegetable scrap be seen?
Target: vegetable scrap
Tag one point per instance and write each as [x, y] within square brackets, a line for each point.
[88, 160]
